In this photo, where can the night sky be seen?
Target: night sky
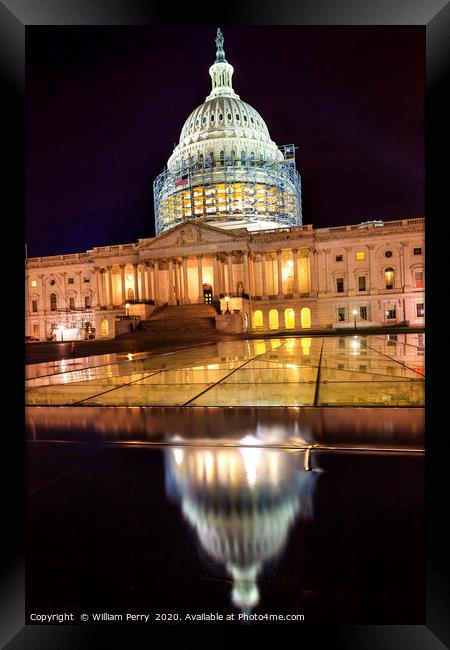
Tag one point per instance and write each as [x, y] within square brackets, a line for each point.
[105, 106]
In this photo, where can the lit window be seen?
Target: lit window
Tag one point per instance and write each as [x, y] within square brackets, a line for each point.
[340, 285]
[362, 283]
[339, 258]
[341, 317]
[34, 283]
[389, 278]
[363, 312]
[418, 279]
[420, 310]
[361, 255]
[417, 251]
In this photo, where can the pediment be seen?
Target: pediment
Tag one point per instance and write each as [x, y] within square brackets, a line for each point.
[187, 235]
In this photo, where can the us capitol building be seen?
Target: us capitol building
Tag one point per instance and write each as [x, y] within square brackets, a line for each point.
[230, 236]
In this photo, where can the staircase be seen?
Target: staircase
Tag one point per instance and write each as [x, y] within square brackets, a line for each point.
[181, 321]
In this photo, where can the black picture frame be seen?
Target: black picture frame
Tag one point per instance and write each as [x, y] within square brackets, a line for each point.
[15, 16]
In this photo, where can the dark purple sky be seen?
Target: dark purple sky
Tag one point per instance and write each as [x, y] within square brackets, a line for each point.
[105, 106]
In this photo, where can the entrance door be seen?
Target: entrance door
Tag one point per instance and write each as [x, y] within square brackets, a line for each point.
[207, 294]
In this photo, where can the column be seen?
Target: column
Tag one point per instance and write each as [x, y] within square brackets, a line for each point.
[350, 278]
[27, 305]
[110, 289]
[251, 273]
[372, 289]
[264, 274]
[325, 255]
[99, 286]
[200, 278]
[44, 297]
[122, 283]
[136, 285]
[156, 282]
[186, 300]
[295, 263]
[280, 277]
[314, 288]
[215, 275]
[144, 285]
[171, 283]
[80, 289]
[406, 285]
[150, 294]
[177, 283]
[230, 274]
[245, 264]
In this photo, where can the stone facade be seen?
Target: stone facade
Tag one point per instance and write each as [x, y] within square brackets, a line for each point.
[293, 278]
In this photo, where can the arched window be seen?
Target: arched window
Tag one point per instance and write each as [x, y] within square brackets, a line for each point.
[243, 157]
[222, 158]
[211, 158]
[257, 319]
[232, 156]
[389, 276]
[252, 158]
[130, 294]
[273, 319]
[53, 302]
[289, 318]
[305, 317]
[87, 301]
[200, 159]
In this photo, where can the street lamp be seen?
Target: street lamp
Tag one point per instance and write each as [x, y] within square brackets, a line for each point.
[355, 313]
[127, 307]
[227, 299]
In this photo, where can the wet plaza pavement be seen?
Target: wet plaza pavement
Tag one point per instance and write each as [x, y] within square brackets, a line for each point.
[297, 508]
[297, 371]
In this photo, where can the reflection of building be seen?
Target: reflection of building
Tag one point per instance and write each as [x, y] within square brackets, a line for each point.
[242, 502]
[229, 223]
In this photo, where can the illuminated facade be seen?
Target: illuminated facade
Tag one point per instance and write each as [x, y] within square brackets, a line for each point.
[229, 231]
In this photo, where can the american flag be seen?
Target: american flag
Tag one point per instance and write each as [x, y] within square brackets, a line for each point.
[181, 181]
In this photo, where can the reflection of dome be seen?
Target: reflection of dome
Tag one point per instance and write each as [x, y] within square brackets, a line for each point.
[241, 503]
[226, 170]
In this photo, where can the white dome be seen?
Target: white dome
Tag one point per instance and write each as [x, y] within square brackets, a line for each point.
[224, 123]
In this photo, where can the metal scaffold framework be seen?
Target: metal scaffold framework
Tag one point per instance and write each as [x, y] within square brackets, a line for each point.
[230, 190]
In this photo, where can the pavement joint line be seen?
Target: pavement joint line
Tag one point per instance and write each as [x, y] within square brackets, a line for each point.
[226, 376]
[80, 402]
[396, 361]
[109, 363]
[316, 392]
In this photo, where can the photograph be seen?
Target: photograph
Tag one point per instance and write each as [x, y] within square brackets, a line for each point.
[225, 325]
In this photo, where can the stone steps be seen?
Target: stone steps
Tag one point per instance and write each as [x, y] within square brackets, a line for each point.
[180, 320]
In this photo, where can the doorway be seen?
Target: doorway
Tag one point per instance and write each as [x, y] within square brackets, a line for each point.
[207, 294]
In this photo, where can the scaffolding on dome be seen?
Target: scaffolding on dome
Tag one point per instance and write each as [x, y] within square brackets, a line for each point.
[231, 192]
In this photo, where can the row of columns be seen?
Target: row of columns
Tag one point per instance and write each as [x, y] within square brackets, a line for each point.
[179, 280]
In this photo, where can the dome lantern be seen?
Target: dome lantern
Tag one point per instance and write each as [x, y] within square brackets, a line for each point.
[221, 72]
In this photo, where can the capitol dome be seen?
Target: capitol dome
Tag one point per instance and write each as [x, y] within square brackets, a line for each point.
[226, 170]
